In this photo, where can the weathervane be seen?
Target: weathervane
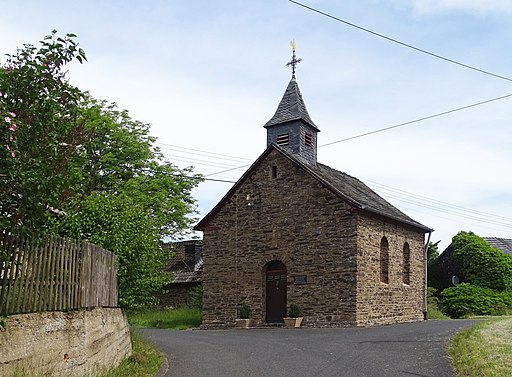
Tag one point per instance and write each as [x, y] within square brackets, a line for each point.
[293, 63]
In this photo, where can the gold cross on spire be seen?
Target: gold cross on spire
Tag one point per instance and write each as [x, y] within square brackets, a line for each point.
[293, 63]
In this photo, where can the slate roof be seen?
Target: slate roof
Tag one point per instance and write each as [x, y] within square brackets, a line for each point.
[502, 244]
[185, 276]
[185, 271]
[291, 107]
[350, 189]
[356, 192]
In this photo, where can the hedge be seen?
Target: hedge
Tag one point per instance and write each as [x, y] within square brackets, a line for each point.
[467, 299]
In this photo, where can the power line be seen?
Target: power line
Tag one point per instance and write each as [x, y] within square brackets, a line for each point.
[459, 213]
[417, 120]
[202, 154]
[225, 171]
[401, 43]
[212, 154]
[437, 202]
[214, 164]
[459, 220]
[199, 178]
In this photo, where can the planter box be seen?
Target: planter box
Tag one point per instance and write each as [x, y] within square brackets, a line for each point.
[244, 323]
[292, 322]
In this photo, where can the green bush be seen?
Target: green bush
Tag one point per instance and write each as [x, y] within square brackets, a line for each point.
[433, 311]
[294, 311]
[483, 265]
[467, 299]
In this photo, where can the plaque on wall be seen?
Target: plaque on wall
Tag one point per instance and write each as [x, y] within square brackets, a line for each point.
[299, 280]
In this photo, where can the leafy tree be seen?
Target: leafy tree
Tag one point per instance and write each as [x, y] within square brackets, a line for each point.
[115, 148]
[39, 132]
[118, 156]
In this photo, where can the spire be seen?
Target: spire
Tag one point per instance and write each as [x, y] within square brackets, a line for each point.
[291, 107]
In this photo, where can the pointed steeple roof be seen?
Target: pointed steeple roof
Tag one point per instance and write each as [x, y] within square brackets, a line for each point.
[291, 107]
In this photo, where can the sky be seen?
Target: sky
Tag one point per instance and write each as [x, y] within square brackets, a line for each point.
[207, 75]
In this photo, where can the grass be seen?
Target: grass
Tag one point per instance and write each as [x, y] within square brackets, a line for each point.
[434, 313]
[484, 350]
[145, 361]
[179, 319]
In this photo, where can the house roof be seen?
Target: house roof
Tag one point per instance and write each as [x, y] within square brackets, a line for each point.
[502, 244]
[187, 276]
[185, 271]
[291, 107]
[350, 189]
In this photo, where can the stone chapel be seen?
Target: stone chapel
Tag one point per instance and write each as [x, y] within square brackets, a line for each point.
[292, 230]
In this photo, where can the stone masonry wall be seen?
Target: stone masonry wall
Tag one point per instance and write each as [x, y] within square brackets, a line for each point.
[290, 218]
[74, 343]
[176, 295]
[380, 303]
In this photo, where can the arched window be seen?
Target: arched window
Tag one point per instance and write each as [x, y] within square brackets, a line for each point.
[384, 261]
[406, 273]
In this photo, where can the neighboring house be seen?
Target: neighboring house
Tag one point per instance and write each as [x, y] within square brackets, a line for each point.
[451, 267]
[185, 268]
[292, 230]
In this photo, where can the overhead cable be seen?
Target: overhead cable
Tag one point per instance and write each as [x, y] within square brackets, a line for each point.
[202, 152]
[418, 120]
[401, 43]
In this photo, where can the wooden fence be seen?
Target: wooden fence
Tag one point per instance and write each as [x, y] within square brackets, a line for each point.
[55, 274]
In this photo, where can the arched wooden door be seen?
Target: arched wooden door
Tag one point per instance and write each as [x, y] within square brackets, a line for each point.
[275, 289]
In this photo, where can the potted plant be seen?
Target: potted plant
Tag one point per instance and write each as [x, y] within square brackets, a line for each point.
[294, 318]
[243, 313]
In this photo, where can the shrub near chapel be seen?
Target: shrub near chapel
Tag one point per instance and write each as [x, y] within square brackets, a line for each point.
[466, 299]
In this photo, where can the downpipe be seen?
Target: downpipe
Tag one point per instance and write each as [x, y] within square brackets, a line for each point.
[425, 310]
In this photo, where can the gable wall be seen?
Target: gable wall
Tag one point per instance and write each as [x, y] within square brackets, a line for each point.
[292, 219]
[380, 303]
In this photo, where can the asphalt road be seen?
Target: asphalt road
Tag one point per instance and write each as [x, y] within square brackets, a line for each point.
[413, 349]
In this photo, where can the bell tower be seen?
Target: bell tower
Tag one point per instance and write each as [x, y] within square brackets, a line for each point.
[291, 127]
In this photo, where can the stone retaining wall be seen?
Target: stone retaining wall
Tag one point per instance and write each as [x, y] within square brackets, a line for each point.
[75, 343]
